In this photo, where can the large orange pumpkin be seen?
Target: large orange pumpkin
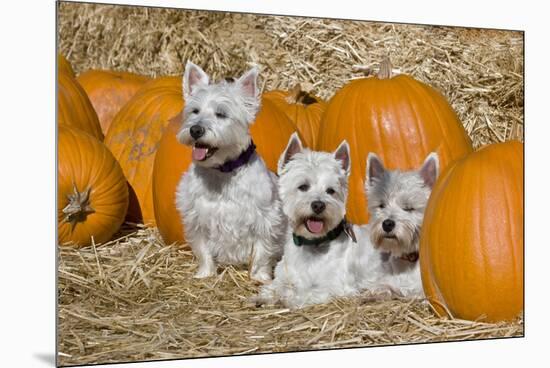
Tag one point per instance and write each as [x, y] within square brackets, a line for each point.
[135, 132]
[92, 195]
[171, 161]
[399, 118]
[74, 109]
[63, 66]
[471, 246]
[109, 91]
[303, 109]
[270, 133]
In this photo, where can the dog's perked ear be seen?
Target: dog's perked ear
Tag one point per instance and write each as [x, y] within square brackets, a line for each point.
[375, 168]
[193, 77]
[248, 83]
[430, 169]
[293, 147]
[343, 155]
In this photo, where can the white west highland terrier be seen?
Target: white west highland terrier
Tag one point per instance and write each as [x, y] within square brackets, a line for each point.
[389, 242]
[228, 199]
[319, 259]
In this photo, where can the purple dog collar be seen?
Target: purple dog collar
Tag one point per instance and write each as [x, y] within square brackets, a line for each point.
[243, 159]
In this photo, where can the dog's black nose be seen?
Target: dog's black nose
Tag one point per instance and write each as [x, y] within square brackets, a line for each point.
[196, 131]
[388, 225]
[318, 206]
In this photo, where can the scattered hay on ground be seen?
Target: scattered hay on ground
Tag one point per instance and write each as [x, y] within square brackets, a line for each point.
[135, 299]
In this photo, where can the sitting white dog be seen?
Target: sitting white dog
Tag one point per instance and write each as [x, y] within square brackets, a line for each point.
[228, 198]
[388, 244]
[319, 260]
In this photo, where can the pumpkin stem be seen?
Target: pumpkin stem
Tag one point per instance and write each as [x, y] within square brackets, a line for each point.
[385, 69]
[79, 206]
[296, 95]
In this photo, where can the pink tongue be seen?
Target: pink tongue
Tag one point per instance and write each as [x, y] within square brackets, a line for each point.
[199, 154]
[314, 226]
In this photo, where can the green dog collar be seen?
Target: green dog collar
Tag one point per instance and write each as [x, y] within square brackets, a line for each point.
[331, 235]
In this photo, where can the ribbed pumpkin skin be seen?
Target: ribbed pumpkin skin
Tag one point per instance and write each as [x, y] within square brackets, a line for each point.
[471, 247]
[171, 161]
[270, 133]
[87, 163]
[74, 108]
[135, 132]
[400, 119]
[109, 91]
[306, 117]
[63, 66]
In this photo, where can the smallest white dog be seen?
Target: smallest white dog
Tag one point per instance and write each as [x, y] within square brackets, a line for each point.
[320, 246]
[389, 242]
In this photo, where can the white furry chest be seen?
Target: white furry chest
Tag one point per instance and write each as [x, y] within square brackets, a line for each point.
[325, 267]
[378, 272]
[228, 212]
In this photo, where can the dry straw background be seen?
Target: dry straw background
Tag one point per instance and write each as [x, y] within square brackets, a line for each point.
[135, 299]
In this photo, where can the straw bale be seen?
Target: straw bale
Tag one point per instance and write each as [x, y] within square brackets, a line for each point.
[479, 71]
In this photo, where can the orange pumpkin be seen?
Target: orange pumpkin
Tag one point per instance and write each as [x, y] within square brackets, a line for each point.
[92, 194]
[471, 246]
[135, 132]
[109, 91]
[74, 109]
[171, 161]
[63, 66]
[270, 133]
[303, 109]
[399, 118]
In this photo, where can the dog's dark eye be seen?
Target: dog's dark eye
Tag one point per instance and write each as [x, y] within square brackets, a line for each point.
[381, 206]
[195, 111]
[330, 191]
[303, 187]
[221, 115]
[408, 209]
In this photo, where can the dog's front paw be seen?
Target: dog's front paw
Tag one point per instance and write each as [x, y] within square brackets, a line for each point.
[266, 296]
[377, 295]
[258, 300]
[261, 276]
[204, 272]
